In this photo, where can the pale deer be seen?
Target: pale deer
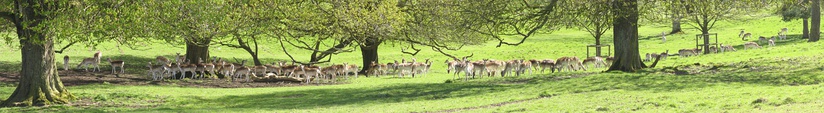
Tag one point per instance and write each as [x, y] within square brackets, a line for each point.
[179, 59]
[453, 66]
[598, 62]
[158, 71]
[772, 42]
[331, 72]
[351, 68]
[468, 68]
[508, 67]
[377, 69]
[571, 63]
[405, 67]
[725, 48]
[288, 70]
[749, 45]
[663, 37]
[308, 73]
[87, 62]
[207, 67]
[479, 68]
[183, 68]
[525, 65]
[535, 64]
[241, 71]
[783, 34]
[116, 64]
[66, 62]
[611, 59]
[493, 67]
[162, 60]
[259, 70]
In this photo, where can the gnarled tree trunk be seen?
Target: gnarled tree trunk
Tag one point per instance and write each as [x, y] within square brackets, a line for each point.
[676, 25]
[627, 57]
[39, 83]
[369, 51]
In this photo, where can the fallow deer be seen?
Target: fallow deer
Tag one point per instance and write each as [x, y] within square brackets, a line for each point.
[116, 64]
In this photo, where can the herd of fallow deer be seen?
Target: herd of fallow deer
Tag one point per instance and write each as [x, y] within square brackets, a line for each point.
[782, 35]
[166, 68]
[492, 67]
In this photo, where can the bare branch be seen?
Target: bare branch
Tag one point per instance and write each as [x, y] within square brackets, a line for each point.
[66, 47]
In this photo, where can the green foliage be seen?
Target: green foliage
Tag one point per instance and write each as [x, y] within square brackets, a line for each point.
[793, 9]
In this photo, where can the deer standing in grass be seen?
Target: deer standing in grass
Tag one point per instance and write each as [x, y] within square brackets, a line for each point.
[782, 35]
[66, 62]
[94, 61]
[116, 64]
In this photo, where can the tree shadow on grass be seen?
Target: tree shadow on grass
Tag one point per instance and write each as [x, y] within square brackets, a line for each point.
[321, 98]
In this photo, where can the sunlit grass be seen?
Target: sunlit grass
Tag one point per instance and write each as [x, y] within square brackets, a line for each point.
[778, 79]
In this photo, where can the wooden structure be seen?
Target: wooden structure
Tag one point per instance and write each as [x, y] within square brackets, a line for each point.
[609, 48]
[699, 39]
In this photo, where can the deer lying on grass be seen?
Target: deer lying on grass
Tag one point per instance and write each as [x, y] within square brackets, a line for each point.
[725, 48]
[713, 49]
[749, 45]
[116, 64]
[689, 52]
[571, 63]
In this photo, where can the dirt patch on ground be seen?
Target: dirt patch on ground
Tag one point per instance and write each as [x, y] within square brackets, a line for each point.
[79, 77]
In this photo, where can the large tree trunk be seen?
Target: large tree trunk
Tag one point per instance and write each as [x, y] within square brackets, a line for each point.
[676, 25]
[627, 57]
[39, 82]
[806, 31]
[369, 51]
[197, 50]
[815, 31]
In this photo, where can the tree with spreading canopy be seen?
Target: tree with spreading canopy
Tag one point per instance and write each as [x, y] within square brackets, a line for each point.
[795, 9]
[38, 24]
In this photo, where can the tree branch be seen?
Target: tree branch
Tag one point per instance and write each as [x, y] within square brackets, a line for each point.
[66, 47]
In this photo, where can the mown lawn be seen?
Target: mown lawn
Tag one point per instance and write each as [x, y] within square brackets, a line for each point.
[784, 78]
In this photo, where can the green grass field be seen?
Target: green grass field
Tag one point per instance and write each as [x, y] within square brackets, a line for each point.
[784, 78]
